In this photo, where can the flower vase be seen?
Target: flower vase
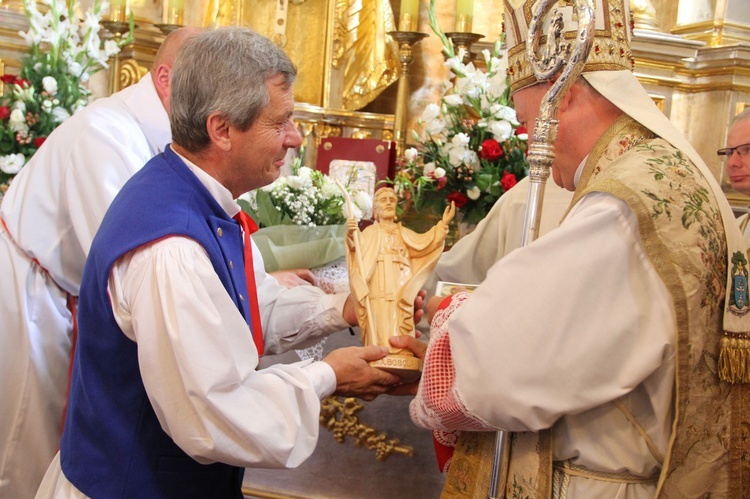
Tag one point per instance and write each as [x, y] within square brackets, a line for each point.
[423, 220]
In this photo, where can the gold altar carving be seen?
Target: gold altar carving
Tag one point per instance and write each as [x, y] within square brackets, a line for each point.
[340, 417]
[344, 58]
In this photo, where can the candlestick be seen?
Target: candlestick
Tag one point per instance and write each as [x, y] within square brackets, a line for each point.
[118, 11]
[409, 15]
[464, 15]
[464, 41]
[173, 11]
[405, 40]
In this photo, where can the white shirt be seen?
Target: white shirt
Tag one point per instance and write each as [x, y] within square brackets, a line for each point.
[225, 410]
[499, 233]
[53, 209]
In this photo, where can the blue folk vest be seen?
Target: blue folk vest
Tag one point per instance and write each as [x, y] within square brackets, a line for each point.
[113, 444]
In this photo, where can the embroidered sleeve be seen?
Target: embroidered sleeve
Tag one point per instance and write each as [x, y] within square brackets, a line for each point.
[437, 405]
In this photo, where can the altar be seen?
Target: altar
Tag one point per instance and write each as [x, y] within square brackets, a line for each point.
[351, 470]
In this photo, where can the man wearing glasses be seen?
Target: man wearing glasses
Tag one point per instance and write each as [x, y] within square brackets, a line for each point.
[737, 161]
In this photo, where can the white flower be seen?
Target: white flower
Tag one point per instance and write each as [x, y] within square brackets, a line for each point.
[20, 106]
[12, 163]
[439, 172]
[523, 136]
[60, 114]
[357, 211]
[453, 100]
[111, 48]
[17, 120]
[47, 105]
[364, 203]
[50, 84]
[430, 113]
[501, 130]
[80, 104]
[411, 154]
[473, 193]
[329, 188]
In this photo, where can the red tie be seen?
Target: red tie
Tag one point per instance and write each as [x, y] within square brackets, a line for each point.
[248, 227]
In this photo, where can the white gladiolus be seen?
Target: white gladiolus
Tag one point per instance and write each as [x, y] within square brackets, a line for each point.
[430, 113]
[50, 84]
[429, 169]
[411, 154]
[111, 48]
[12, 163]
[473, 193]
[453, 100]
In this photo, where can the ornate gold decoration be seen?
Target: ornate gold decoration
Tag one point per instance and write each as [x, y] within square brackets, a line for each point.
[340, 417]
[118, 29]
[130, 73]
[611, 46]
[361, 48]
[644, 15]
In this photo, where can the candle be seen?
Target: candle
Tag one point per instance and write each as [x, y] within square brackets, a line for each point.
[464, 15]
[118, 10]
[409, 15]
[173, 11]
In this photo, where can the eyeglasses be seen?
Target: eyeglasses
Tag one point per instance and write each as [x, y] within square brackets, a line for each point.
[743, 151]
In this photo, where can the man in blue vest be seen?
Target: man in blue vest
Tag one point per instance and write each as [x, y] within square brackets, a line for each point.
[165, 397]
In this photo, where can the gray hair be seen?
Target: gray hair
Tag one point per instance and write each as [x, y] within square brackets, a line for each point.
[223, 71]
[743, 116]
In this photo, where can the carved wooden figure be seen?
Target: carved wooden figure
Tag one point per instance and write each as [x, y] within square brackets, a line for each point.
[388, 264]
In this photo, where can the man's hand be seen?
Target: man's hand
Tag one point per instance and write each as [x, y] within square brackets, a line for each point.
[419, 306]
[294, 277]
[418, 348]
[432, 305]
[354, 375]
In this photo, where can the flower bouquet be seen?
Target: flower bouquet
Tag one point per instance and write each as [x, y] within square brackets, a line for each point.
[63, 52]
[302, 218]
[470, 147]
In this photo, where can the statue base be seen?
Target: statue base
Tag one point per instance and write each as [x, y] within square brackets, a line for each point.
[407, 367]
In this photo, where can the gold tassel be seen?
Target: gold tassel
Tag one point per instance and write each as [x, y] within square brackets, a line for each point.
[734, 359]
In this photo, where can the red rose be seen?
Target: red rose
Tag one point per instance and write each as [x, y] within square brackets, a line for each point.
[490, 150]
[39, 141]
[23, 83]
[8, 79]
[459, 198]
[4, 112]
[521, 129]
[508, 180]
[441, 182]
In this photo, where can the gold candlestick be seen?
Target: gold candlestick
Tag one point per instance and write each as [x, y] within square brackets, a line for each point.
[167, 28]
[463, 40]
[117, 28]
[406, 40]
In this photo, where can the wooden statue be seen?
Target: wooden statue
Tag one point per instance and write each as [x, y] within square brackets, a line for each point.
[388, 264]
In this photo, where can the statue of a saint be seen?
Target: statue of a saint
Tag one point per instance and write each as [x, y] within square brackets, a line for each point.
[388, 264]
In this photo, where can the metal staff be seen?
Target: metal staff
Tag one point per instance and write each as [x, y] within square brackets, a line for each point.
[358, 254]
[546, 63]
